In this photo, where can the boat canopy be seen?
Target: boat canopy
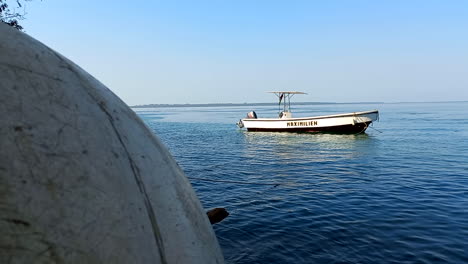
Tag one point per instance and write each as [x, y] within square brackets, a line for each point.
[286, 92]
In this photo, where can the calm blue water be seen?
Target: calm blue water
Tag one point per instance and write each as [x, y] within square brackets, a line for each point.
[395, 196]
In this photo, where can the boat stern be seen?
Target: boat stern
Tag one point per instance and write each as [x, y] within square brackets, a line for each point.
[240, 124]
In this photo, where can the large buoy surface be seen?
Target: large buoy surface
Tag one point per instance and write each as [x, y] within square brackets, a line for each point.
[82, 179]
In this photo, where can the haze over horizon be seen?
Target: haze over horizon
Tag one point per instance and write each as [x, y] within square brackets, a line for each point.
[200, 52]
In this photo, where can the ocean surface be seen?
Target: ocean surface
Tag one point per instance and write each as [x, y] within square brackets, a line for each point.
[396, 194]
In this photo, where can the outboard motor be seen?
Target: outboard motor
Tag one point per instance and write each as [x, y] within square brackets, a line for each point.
[252, 114]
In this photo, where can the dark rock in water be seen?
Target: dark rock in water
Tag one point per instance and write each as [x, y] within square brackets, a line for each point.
[82, 179]
[217, 215]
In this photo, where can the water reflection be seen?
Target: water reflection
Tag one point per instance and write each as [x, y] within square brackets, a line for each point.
[293, 147]
[300, 138]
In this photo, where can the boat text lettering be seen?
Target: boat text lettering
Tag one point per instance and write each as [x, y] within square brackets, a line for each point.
[302, 123]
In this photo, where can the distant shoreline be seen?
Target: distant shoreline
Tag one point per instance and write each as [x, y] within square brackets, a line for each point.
[275, 104]
[238, 104]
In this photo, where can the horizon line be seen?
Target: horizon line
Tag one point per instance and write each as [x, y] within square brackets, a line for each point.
[296, 103]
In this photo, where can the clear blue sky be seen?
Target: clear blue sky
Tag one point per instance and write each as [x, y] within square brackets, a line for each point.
[234, 51]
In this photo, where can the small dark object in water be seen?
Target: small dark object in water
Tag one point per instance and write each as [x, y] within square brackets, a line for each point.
[217, 215]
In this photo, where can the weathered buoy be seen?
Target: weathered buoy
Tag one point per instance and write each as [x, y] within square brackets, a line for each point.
[82, 179]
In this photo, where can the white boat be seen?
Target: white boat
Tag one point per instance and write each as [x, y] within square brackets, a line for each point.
[347, 123]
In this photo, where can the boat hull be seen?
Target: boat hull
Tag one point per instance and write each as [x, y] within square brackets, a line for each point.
[349, 123]
[345, 129]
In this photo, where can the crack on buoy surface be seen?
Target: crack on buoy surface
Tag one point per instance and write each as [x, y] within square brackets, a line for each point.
[141, 187]
[135, 169]
[17, 221]
[16, 67]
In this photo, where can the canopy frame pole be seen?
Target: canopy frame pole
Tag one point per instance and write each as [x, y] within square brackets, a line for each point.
[286, 96]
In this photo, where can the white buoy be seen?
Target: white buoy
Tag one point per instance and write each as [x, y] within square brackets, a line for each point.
[82, 179]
